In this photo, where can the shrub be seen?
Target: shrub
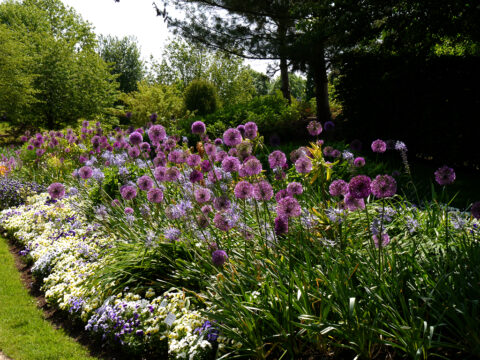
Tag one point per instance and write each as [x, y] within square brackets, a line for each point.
[201, 96]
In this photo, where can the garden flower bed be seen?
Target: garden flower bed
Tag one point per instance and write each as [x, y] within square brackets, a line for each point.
[227, 249]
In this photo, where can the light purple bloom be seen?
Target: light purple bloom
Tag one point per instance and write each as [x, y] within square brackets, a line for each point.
[252, 167]
[128, 211]
[338, 187]
[243, 190]
[172, 174]
[303, 165]
[231, 164]
[56, 191]
[221, 203]
[353, 204]
[232, 137]
[172, 233]
[379, 146]
[262, 191]
[288, 207]
[194, 160]
[314, 128]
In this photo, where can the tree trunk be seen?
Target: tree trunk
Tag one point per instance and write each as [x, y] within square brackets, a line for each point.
[284, 79]
[319, 72]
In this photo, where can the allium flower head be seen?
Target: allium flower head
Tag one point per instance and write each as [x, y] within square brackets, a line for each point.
[194, 160]
[172, 174]
[288, 207]
[303, 165]
[195, 176]
[177, 157]
[159, 173]
[281, 225]
[202, 195]
[135, 138]
[338, 187]
[379, 146]
[145, 183]
[232, 137]
[314, 128]
[210, 149]
[219, 257]
[277, 159]
[353, 204]
[133, 152]
[198, 127]
[294, 188]
[85, 172]
[359, 186]
[231, 164]
[128, 192]
[445, 175]
[56, 191]
[128, 211]
[206, 166]
[262, 191]
[281, 194]
[383, 186]
[222, 221]
[251, 130]
[385, 240]
[252, 167]
[221, 203]
[243, 190]
[329, 126]
[475, 210]
[359, 162]
[218, 142]
[172, 233]
[155, 195]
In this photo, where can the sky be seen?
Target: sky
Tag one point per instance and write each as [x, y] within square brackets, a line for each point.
[132, 17]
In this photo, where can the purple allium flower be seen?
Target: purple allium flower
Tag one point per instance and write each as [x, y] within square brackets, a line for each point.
[303, 165]
[231, 164]
[198, 127]
[475, 210]
[206, 166]
[115, 203]
[218, 142]
[241, 128]
[288, 207]
[329, 126]
[221, 203]
[172, 234]
[328, 151]
[172, 174]
[56, 191]
[177, 157]
[281, 194]
[251, 130]
[195, 176]
[202, 195]
[359, 186]
[206, 209]
[85, 172]
[128, 192]
[40, 152]
[159, 173]
[353, 204]
[445, 175]
[133, 152]
[135, 138]
[379, 146]
[385, 240]
[153, 117]
[232, 137]
[262, 191]
[277, 159]
[252, 167]
[281, 225]
[294, 188]
[156, 133]
[30, 147]
[220, 156]
[194, 160]
[145, 147]
[336, 153]
[383, 186]
[338, 187]
[155, 195]
[128, 211]
[210, 149]
[356, 145]
[314, 128]
[243, 190]
[222, 222]
[219, 257]
[145, 183]
[359, 162]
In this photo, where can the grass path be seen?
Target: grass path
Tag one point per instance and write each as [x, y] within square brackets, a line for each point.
[24, 332]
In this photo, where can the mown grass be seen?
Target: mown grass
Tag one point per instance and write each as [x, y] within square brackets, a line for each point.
[24, 333]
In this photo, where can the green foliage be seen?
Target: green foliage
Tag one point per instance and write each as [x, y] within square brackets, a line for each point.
[66, 77]
[124, 56]
[200, 96]
[165, 100]
[297, 86]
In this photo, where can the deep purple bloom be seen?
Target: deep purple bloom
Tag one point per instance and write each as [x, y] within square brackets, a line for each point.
[231, 164]
[128, 192]
[232, 137]
[359, 162]
[277, 159]
[202, 195]
[288, 207]
[303, 165]
[128, 211]
[445, 175]
[251, 130]
[359, 186]
[353, 204]
[329, 125]
[281, 194]
[133, 152]
[294, 188]
[206, 166]
[172, 174]
[135, 138]
[56, 191]
[159, 173]
[153, 117]
[198, 127]
[221, 203]
[383, 186]
[85, 172]
[314, 128]
[252, 167]
[379, 146]
[145, 183]
[262, 191]
[155, 195]
[475, 210]
[243, 190]
[195, 176]
[194, 160]
[338, 187]
[219, 257]
[281, 225]
[241, 128]
[222, 222]
[30, 147]
[385, 240]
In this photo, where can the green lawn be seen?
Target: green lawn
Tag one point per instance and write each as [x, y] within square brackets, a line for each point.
[24, 333]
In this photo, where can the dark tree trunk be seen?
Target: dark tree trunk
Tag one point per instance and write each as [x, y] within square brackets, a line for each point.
[284, 79]
[319, 72]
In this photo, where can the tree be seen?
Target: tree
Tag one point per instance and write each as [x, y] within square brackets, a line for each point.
[70, 80]
[124, 56]
[297, 86]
